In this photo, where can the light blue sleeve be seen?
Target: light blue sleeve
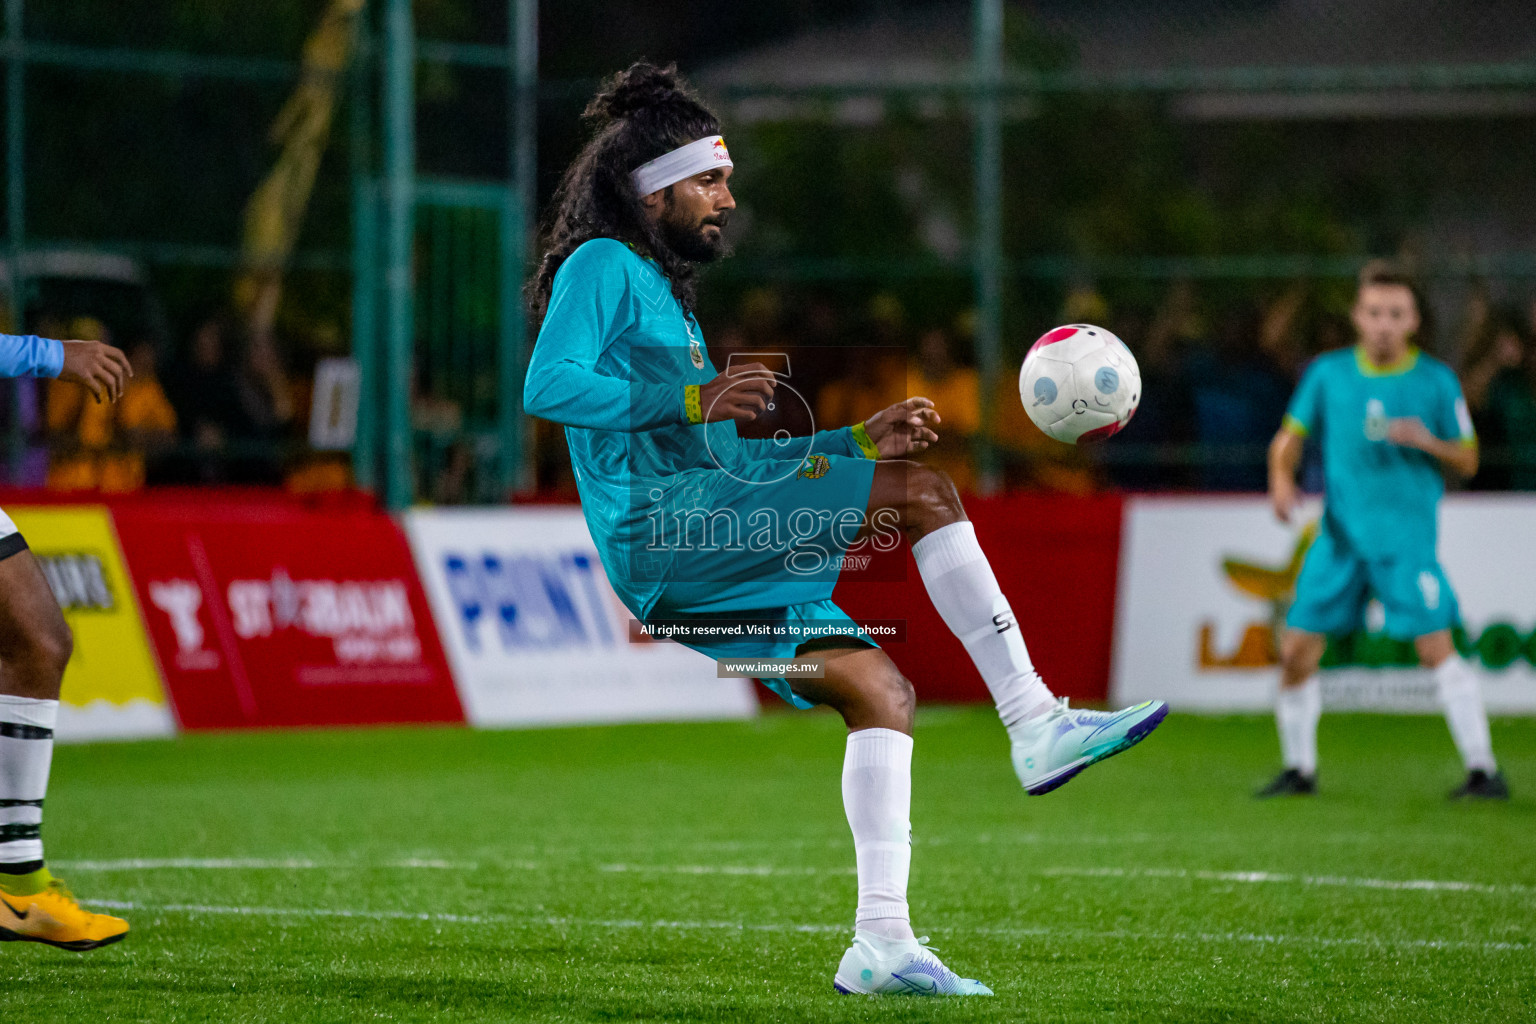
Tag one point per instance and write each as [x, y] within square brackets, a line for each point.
[588, 308]
[27, 355]
[823, 442]
[1304, 415]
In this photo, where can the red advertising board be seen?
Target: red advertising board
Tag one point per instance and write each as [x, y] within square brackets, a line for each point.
[277, 615]
[1057, 559]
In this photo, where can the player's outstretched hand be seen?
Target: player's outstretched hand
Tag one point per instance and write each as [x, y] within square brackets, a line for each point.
[903, 428]
[741, 393]
[103, 369]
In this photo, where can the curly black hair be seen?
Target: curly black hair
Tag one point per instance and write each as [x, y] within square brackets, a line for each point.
[640, 114]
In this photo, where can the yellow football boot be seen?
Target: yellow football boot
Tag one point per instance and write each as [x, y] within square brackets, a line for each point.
[53, 917]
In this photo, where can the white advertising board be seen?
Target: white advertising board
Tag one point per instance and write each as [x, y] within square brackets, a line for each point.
[1205, 581]
[535, 635]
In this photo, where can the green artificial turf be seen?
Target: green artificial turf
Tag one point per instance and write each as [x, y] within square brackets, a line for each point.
[704, 873]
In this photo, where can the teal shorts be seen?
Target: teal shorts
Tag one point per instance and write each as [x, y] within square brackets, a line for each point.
[1336, 584]
[811, 617]
[766, 543]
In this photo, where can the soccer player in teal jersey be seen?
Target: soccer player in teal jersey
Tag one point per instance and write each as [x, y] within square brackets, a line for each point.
[695, 524]
[1390, 420]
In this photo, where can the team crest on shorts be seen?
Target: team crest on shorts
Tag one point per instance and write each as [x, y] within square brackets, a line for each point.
[814, 467]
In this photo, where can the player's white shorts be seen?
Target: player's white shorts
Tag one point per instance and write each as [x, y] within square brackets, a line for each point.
[10, 537]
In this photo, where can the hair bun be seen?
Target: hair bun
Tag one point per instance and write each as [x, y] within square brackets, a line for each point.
[642, 86]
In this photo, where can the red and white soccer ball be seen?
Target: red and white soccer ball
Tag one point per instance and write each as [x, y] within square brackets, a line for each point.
[1080, 383]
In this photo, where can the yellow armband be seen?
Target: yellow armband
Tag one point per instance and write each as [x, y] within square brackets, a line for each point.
[691, 404]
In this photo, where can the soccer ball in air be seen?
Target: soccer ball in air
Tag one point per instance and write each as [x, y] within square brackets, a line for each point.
[1080, 383]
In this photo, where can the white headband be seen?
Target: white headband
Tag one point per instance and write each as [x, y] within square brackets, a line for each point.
[684, 162]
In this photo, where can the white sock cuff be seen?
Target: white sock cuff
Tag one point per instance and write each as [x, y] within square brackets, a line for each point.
[1454, 671]
[1308, 694]
[882, 911]
[878, 748]
[947, 548]
[43, 714]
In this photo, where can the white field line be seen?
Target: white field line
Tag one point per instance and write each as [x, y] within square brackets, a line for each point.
[1210, 938]
[771, 871]
[1409, 885]
[255, 864]
[758, 870]
[980, 839]
[198, 909]
[1255, 877]
[845, 842]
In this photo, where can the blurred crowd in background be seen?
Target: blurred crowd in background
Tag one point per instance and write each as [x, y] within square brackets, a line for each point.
[1201, 178]
[224, 406]
[1216, 383]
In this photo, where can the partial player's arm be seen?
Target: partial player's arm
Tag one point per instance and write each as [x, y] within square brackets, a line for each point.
[897, 430]
[1449, 436]
[588, 309]
[1459, 456]
[1284, 456]
[103, 369]
[901, 429]
[1302, 417]
[843, 441]
[564, 385]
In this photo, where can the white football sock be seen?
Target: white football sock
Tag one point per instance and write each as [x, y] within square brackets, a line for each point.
[1297, 709]
[1462, 698]
[963, 589]
[26, 750]
[877, 796]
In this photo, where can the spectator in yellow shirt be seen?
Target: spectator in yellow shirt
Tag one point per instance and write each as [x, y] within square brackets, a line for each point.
[101, 446]
[956, 394]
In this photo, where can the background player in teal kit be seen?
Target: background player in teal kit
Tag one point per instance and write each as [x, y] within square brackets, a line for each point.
[1389, 419]
[694, 523]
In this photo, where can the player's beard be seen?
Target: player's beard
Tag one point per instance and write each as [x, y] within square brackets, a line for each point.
[690, 240]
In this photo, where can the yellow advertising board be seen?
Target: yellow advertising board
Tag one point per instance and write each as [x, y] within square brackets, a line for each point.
[112, 688]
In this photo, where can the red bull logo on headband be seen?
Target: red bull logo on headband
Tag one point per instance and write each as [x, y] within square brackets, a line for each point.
[684, 162]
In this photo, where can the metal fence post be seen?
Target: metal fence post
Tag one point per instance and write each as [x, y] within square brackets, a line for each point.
[365, 329]
[515, 440]
[399, 209]
[365, 260]
[987, 60]
[16, 216]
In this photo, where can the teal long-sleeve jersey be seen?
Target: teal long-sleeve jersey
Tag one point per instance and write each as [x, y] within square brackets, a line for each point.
[612, 362]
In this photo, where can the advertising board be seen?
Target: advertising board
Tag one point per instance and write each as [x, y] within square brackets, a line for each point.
[281, 616]
[112, 686]
[537, 636]
[1205, 583]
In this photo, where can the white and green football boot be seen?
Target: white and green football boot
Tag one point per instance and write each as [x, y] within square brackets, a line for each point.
[874, 966]
[1051, 748]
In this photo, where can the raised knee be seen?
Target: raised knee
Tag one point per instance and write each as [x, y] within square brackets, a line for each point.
[904, 694]
[931, 497]
[897, 697]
